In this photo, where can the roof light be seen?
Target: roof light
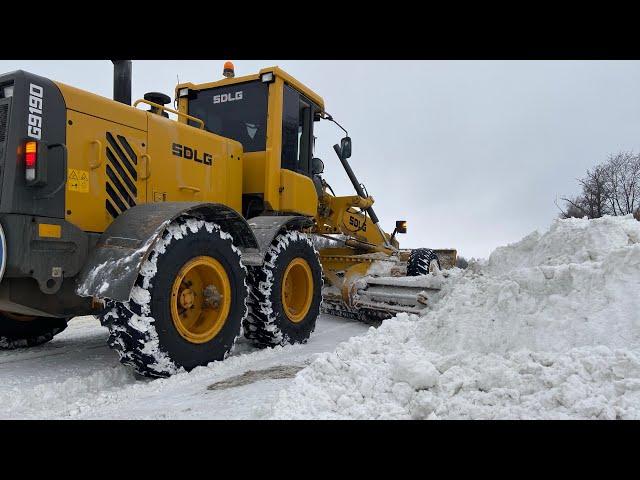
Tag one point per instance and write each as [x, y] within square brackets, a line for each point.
[267, 77]
[229, 70]
[30, 160]
[7, 91]
[183, 92]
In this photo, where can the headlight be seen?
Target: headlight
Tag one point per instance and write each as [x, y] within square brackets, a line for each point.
[267, 77]
[7, 91]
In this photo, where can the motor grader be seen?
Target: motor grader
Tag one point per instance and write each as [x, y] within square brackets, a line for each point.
[183, 231]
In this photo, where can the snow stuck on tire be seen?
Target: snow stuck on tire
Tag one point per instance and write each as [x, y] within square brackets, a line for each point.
[547, 327]
[139, 328]
[260, 325]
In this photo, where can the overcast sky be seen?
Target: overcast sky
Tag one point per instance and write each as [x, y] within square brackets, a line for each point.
[471, 153]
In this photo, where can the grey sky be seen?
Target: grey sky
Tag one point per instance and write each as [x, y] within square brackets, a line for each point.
[471, 153]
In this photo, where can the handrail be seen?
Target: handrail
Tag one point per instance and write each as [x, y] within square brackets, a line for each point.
[99, 162]
[162, 107]
[147, 166]
[189, 187]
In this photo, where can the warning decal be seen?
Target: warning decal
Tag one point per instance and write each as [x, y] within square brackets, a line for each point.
[78, 180]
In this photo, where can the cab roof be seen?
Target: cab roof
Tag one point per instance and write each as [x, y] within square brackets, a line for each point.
[278, 72]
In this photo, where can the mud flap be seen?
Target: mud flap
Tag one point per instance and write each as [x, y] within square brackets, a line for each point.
[113, 265]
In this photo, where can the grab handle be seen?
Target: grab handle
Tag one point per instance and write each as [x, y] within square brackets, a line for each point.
[99, 162]
[162, 107]
[188, 187]
[147, 166]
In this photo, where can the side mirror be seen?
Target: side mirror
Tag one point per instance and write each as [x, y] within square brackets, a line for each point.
[401, 226]
[345, 146]
[317, 166]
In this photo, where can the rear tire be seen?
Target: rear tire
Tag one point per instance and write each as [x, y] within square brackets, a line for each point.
[187, 305]
[285, 293]
[24, 333]
[419, 261]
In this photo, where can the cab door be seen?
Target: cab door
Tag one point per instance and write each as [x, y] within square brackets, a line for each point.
[297, 191]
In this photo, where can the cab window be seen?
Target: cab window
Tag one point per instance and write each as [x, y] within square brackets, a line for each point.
[297, 131]
[237, 111]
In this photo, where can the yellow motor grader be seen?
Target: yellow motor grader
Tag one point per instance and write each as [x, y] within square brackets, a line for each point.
[183, 231]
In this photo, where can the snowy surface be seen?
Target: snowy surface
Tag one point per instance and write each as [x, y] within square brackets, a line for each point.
[548, 327]
[77, 376]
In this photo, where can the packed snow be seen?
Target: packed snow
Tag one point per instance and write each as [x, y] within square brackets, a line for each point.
[548, 327]
[77, 376]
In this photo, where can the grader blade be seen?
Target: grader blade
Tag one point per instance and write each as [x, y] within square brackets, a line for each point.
[377, 289]
[447, 257]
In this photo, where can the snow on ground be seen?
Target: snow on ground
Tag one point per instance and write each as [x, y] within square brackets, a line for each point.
[77, 376]
[548, 327]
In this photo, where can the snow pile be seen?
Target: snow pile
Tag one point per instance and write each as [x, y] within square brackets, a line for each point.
[548, 327]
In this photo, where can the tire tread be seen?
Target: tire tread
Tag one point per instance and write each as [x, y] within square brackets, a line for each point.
[419, 261]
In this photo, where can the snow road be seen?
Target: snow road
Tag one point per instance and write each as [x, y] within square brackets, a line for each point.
[77, 376]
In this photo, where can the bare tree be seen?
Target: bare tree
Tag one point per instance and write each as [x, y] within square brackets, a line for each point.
[575, 208]
[622, 173]
[611, 188]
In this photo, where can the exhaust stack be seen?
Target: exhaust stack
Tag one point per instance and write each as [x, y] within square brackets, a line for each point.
[122, 81]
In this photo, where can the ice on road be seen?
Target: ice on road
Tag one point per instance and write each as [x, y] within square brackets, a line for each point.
[77, 376]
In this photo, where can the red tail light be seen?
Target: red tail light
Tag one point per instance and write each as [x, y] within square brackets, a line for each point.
[30, 160]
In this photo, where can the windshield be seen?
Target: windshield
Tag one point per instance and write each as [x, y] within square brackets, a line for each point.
[236, 111]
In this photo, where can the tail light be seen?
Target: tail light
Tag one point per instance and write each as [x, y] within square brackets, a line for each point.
[30, 160]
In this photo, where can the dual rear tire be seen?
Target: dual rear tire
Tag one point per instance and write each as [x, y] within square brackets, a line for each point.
[286, 293]
[193, 297]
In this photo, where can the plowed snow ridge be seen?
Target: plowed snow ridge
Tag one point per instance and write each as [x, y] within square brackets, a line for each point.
[548, 327]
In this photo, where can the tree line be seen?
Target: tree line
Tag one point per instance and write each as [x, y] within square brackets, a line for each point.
[610, 188]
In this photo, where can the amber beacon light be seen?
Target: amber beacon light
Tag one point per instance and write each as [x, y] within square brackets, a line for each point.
[229, 70]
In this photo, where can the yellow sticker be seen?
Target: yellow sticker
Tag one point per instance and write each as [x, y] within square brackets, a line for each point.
[78, 180]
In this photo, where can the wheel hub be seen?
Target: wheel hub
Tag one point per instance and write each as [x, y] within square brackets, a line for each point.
[212, 296]
[200, 299]
[297, 289]
[186, 298]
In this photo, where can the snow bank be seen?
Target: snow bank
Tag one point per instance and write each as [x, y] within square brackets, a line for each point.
[548, 327]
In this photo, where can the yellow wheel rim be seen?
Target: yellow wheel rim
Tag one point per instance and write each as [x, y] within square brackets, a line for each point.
[297, 289]
[200, 299]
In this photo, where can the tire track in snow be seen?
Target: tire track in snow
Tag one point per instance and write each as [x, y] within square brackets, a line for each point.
[77, 376]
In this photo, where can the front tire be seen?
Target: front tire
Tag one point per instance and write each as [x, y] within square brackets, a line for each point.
[19, 331]
[285, 293]
[188, 303]
[420, 262]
